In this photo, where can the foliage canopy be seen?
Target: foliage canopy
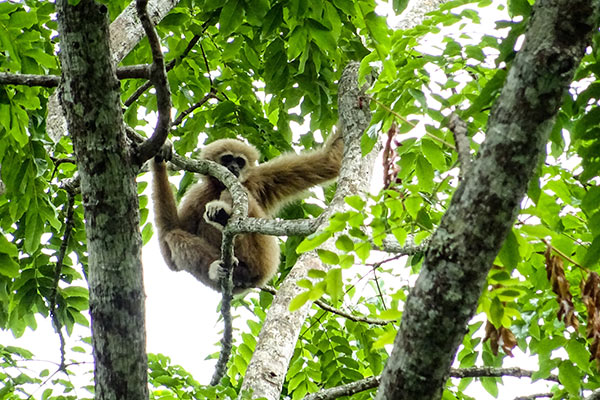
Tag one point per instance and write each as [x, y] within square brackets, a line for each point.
[256, 69]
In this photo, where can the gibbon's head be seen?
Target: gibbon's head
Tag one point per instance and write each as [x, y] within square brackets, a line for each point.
[233, 154]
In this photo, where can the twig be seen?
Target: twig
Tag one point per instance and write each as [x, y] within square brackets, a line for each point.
[163, 94]
[333, 310]
[564, 256]
[535, 396]
[147, 85]
[185, 113]
[401, 118]
[459, 130]
[58, 269]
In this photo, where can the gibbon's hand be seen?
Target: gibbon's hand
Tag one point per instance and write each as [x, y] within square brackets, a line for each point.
[165, 152]
[217, 213]
[216, 271]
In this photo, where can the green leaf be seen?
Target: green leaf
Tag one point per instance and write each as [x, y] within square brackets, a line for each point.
[328, 257]
[8, 266]
[570, 377]
[390, 315]
[344, 243]
[399, 5]
[425, 174]
[335, 285]
[496, 312]
[519, 7]
[434, 154]
[312, 242]
[490, 385]
[413, 205]
[22, 19]
[579, 354]
[7, 247]
[592, 256]
[355, 202]
[232, 16]
[298, 301]
[509, 253]
[591, 200]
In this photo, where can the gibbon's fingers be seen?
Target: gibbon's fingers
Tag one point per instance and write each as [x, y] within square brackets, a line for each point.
[165, 153]
[216, 271]
[217, 214]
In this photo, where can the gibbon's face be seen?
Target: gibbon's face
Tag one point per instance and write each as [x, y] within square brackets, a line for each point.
[233, 162]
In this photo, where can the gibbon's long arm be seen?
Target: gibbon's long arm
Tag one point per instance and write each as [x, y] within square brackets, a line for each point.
[165, 209]
[288, 175]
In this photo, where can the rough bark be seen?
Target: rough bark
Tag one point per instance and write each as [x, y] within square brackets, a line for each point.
[90, 97]
[486, 204]
[267, 369]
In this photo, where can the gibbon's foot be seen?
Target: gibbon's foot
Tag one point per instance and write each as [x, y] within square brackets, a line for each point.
[165, 153]
[216, 271]
[217, 214]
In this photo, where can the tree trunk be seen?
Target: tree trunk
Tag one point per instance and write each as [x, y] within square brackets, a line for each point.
[484, 207]
[90, 97]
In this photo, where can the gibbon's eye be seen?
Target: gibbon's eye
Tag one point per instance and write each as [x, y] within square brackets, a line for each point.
[240, 162]
[226, 159]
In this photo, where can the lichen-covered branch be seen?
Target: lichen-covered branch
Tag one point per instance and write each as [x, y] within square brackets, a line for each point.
[268, 366]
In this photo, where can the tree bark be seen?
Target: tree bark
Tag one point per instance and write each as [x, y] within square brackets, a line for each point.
[90, 98]
[484, 207]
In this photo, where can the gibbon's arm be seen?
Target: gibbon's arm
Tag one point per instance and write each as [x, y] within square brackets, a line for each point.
[285, 176]
[165, 209]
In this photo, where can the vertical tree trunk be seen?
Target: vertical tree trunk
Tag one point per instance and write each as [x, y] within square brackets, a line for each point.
[484, 207]
[90, 96]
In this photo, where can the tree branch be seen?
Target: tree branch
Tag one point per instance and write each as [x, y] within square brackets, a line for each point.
[141, 71]
[158, 76]
[485, 205]
[125, 33]
[57, 272]
[460, 373]
[266, 371]
[458, 127]
[326, 307]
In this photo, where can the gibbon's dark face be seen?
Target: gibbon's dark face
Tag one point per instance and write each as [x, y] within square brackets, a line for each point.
[235, 164]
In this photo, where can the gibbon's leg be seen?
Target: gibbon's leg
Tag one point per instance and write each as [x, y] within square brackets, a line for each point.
[193, 254]
[257, 256]
[181, 249]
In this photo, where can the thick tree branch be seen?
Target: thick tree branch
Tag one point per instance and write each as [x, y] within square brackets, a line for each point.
[458, 127]
[125, 33]
[158, 76]
[141, 71]
[486, 203]
[266, 371]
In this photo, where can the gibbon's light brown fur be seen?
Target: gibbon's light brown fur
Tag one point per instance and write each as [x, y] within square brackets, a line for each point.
[190, 239]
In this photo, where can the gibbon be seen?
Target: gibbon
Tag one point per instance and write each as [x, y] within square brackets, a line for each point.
[190, 238]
